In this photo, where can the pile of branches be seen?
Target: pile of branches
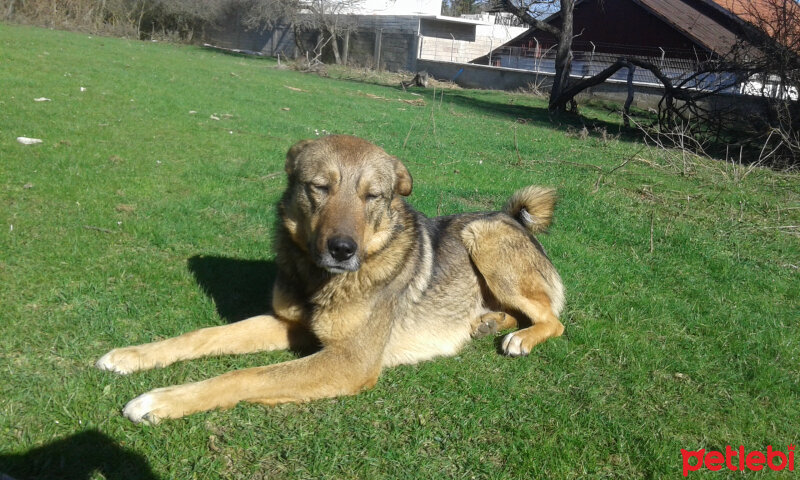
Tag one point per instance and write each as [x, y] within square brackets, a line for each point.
[768, 125]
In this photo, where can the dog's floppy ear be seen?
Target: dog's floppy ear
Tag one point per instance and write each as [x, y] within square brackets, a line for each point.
[403, 180]
[291, 155]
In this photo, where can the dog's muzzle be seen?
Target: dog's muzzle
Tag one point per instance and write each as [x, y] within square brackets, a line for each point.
[341, 255]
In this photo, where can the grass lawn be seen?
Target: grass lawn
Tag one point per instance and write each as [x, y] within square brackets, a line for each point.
[148, 211]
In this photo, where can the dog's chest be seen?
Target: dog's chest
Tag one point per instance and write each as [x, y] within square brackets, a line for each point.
[438, 325]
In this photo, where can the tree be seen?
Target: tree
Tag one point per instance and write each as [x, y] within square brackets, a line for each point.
[455, 8]
[532, 12]
[331, 18]
[258, 14]
[764, 61]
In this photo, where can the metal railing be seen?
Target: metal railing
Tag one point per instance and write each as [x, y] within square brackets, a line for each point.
[590, 63]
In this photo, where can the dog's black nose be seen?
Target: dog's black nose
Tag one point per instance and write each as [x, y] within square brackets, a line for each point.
[342, 248]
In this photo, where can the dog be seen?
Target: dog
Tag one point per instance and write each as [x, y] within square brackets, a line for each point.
[369, 280]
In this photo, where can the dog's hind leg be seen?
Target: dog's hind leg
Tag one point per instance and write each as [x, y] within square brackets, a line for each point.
[264, 332]
[519, 276]
[491, 323]
[545, 325]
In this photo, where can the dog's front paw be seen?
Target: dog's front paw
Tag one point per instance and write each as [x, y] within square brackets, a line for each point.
[153, 406]
[123, 361]
[140, 409]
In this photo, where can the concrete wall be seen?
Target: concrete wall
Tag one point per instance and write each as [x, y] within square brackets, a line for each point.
[395, 51]
[480, 76]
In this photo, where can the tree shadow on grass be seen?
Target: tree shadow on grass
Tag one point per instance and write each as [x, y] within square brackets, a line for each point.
[540, 116]
[239, 288]
[78, 457]
[715, 148]
[531, 115]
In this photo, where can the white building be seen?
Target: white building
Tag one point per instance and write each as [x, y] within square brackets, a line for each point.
[390, 34]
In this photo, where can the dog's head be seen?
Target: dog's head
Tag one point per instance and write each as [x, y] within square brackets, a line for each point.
[342, 200]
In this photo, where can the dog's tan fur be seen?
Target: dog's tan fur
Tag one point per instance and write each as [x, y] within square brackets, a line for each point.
[371, 281]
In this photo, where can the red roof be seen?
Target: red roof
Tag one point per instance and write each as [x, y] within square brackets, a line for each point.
[779, 18]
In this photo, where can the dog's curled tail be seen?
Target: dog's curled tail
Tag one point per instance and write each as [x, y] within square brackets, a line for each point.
[533, 207]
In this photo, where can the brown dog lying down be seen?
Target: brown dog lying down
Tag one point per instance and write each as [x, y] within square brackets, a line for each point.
[372, 281]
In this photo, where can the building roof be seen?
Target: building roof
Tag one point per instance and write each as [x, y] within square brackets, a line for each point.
[392, 7]
[715, 26]
[751, 10]
[779, 18]
[693, 23]
[446, 19]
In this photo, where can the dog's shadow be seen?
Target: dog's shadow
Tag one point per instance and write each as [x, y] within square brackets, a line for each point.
[239, 288]
[242, 289]
[81, 456]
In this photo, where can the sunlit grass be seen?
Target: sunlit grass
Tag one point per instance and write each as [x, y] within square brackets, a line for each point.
[148, 211]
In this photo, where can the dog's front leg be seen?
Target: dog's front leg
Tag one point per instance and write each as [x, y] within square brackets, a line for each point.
[330, 372]
[255, 334]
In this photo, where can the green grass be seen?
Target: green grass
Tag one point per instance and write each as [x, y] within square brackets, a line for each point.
[137, 220]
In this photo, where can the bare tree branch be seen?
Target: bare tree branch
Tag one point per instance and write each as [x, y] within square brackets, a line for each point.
[528, 13]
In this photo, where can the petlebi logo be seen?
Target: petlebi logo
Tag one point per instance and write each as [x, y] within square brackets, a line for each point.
[738, 459]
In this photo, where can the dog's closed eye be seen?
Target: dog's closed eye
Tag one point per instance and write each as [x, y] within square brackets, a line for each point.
[318, 188]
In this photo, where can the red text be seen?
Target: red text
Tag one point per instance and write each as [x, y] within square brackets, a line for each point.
[738, 459]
